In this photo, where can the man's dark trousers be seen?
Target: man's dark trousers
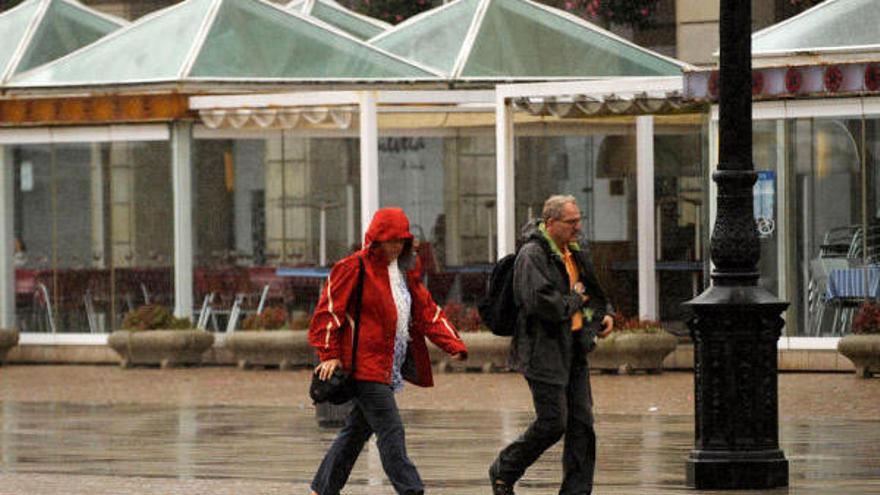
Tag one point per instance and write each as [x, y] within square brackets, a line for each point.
[561, 410]
[374, 411]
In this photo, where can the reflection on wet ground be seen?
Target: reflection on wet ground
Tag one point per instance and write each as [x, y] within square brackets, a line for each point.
[75, 448]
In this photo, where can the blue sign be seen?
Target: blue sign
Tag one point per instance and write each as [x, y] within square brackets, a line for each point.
[764, 202]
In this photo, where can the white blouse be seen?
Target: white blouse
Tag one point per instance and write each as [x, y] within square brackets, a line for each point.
[403, 302]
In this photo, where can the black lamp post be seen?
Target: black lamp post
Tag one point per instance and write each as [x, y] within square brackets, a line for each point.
[736, 323]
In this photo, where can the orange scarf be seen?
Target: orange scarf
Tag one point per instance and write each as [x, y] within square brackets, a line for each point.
[577, 319]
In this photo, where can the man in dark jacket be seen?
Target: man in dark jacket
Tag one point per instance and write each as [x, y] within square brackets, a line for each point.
[560, 303]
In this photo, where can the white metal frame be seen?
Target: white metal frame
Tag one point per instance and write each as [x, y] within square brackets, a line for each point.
[84, 134]
[62, 135]
[647, 254]
[184, 238]
[598, 89]
[7, 242]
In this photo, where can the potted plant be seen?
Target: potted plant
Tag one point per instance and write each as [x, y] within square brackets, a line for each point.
[634, 345]
[862, 347]
[8, 340]
[486, 351]
[153, 335]
[267, 340]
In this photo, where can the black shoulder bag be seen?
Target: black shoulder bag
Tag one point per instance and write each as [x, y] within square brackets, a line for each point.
[340, 387]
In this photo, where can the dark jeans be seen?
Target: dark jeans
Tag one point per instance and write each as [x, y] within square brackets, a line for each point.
[561, 410]
[375, 411]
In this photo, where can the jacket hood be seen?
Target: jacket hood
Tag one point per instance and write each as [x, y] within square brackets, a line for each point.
[535, 230]
[388, 224]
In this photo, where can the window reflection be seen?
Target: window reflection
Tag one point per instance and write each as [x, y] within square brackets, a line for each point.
[93, 233]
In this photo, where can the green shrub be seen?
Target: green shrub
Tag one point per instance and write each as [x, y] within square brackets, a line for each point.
[154, 317]
[633, 324]
[272, 318]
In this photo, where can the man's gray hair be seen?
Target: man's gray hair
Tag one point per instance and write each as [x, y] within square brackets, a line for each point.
[554, 205]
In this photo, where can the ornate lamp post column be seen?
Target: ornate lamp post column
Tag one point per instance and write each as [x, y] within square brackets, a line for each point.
[737, 323]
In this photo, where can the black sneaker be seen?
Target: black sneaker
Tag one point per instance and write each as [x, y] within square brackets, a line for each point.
[499, 486]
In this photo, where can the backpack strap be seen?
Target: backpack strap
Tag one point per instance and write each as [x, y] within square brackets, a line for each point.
[358, 302]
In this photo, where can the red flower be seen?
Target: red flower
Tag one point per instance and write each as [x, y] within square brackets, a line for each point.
[757, 82]
[793, 80]
[714, 84]
[872, 77]
[833, 78]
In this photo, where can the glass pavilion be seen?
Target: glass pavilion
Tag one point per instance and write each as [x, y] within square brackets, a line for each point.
[816, 139]
[208, 162]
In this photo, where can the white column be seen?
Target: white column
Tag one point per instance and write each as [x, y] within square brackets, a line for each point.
[504, 175]
[322, 236]
[181, 177]
[349, 216]
[713, 187]
[98, 232]
[782, 238]
[646, 226]
[369, 129]
[7, 242]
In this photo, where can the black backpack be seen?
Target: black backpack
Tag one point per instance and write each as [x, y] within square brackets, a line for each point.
[498, 309]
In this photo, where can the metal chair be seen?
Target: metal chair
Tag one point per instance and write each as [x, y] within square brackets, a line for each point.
[238, 309]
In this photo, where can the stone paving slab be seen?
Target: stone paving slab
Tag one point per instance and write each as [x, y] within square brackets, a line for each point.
[54, 448]
[102, 430]
[806, 395]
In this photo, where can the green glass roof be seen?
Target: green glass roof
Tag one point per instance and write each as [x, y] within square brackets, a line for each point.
[40, 31]
[435, 37]
[509, 39]
[222, 40]
[833, 24]
[253, 40]
[353, 23]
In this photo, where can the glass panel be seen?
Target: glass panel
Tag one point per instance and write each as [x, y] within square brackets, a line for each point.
[599, 170]
[93, 228]
[434, 39]
[522, 39]
[255, 40]
[825, 155]
[768, 145]
[834, 24]
[64, 28]
[13, 24]
[153, 49]
[346, 21]
[678, 214]
[446, 186]
[271, 214]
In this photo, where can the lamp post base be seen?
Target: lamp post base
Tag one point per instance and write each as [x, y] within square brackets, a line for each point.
[736, 470]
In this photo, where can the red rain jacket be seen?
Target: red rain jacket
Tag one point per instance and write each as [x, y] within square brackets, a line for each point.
[330, 331]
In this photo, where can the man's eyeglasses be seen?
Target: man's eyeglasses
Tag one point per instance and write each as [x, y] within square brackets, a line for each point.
[572, 221]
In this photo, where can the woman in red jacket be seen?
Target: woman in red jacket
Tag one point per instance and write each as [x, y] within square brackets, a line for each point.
[397, 314]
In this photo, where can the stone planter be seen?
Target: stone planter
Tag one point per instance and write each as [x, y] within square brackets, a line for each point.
[166, 348]
[631, 351]
[486, 352]
[8, 340]
[863, 351]
[282, 348]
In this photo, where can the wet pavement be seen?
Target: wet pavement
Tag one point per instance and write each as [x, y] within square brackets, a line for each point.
[188, 443]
